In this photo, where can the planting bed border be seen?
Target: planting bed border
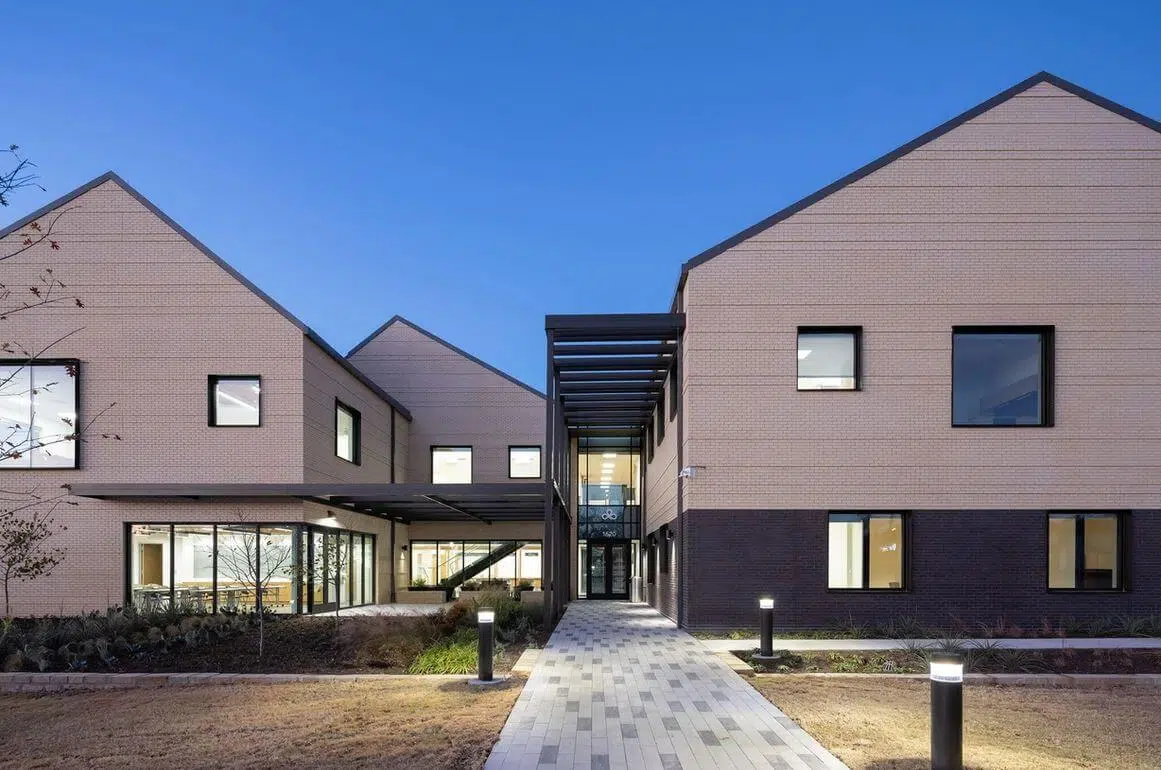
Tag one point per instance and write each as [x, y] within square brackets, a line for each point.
[1086, 681]
[59, 681]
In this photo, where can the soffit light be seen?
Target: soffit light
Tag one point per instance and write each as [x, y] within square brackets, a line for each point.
[803, 354]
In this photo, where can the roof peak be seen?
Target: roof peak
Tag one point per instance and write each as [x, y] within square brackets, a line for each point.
[1043, 76]
[309, 333]
[454, 348]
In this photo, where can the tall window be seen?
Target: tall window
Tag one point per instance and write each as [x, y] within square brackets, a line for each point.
[347, 430]
[1001, 376]
[866, 550]
[1084, 551]
[235, 400]
[523, 462]
[451, 465]
[38, 414]
[828, 357]
[228, 566]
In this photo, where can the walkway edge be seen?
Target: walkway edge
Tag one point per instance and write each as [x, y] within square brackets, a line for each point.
[854, 645]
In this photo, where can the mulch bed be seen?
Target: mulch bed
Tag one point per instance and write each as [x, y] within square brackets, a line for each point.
[294, 645]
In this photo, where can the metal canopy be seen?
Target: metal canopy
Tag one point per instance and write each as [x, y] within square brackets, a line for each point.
[486, 503]
[608, 371]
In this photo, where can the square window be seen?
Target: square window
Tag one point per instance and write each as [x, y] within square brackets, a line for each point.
[38, 414]
[1001, 376]
[451, 465]
[347, 433]
[828, 357]
[1084, 551]
[866, 550]
[523, 462]
[235, 400]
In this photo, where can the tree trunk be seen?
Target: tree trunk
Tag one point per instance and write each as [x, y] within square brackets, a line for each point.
[7, 614]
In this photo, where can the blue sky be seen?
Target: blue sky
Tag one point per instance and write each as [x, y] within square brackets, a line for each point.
[475, 165]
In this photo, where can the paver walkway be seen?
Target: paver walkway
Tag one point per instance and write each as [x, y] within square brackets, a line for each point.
[618, 686]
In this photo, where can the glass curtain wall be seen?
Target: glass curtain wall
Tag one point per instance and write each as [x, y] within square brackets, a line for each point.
[210, 567]
[513, 561]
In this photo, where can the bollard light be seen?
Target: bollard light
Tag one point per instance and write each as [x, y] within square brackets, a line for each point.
[766, 625]
[486, 620]
[946, 711]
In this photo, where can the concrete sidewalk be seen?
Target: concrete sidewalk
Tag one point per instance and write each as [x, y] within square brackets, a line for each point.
[618, 686]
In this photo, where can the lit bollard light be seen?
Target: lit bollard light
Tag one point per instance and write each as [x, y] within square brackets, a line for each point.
[766, 626]
[946, 711]
[486, 619]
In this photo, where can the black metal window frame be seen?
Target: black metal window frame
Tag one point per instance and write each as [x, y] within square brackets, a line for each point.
[674, 391]
[1047, 371]
[659, 417]
[303, 588]
[1122, 551]
[76, 364]
[856, 333]
[539, 460]
[651, 559]
[212, 381]
[665, 544]
[905, 544]
[356, 432]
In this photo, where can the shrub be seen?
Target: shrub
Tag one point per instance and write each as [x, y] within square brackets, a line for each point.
[455, 655]
[101, 638]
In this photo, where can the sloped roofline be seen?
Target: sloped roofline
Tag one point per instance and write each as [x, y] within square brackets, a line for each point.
[455, 349]
[310, 334]
[914, 144]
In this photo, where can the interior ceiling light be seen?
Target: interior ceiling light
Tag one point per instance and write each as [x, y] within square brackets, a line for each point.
[609, 454]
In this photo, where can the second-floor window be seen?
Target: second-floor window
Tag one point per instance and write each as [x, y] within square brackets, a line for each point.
[38, 414]
[347, 429]
[235, 400]
[451, 465]
[1001, 376]
[523, 462]
[828, 357]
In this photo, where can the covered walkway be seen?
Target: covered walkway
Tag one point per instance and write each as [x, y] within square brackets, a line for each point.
[618, 686]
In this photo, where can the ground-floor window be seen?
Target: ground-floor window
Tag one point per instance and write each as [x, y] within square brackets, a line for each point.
[441, 562]
[284, 568]
[1084, 551]
[866, 550]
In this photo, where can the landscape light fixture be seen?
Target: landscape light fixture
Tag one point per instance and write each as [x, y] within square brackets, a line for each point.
[766, 626]
[946, 711]
[485, 647]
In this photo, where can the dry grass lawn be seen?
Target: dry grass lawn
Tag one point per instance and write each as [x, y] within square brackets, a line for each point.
[396, 724]
[875, 724]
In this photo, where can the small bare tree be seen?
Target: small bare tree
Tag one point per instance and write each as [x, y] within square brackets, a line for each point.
[25, 534]
[253, 558]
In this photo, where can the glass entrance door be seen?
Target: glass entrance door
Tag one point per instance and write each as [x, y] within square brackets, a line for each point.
[607, 566]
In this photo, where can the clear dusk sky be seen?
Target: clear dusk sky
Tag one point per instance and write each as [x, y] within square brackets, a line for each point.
[473, 165]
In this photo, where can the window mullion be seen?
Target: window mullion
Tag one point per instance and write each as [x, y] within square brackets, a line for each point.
[866, 551]
[1079, 558]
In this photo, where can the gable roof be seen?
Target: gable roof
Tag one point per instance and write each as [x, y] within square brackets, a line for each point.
[914, 144]
[458, 350]
[311, 334]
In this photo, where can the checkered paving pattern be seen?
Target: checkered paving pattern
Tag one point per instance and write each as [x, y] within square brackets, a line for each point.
[618, 686]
